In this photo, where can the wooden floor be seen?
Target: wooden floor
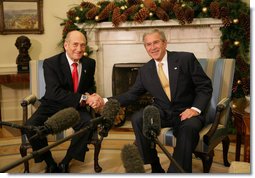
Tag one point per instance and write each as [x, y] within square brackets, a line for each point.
[109, 157]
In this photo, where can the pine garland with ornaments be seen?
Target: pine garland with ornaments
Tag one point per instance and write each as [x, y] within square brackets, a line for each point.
[235, 16]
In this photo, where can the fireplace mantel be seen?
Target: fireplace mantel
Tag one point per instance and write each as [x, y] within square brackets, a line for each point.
[124, 44]
[154, 23]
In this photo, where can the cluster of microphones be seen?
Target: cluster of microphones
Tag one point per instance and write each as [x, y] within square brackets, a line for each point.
[68, 117]
[62, 120]
[130, 155]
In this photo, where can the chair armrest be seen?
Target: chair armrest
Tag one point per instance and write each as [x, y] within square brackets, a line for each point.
[31, 99]
[221, 106]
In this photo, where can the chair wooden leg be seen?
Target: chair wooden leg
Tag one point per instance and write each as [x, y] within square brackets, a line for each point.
[225, 145]
[97, 145]
[23, 152]
[207, 160]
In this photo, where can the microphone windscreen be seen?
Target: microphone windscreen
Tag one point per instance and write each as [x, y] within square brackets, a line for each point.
[111, 109]
[131, 159]
[151, 121]
[62, 120]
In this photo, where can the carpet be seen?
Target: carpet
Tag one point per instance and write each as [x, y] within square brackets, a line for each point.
[109, 158]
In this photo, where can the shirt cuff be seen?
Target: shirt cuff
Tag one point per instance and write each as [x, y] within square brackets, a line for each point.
[196, 109]
[105, 100]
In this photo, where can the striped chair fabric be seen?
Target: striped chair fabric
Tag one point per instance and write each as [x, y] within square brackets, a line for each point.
[221, 72]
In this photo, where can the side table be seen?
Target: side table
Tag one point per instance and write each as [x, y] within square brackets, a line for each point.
[12, 78]
[242, 125]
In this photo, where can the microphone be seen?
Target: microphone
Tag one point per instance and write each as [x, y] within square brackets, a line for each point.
[151, 122]
[131, 159]
[110, 111]
[58, 122]
[151, 130]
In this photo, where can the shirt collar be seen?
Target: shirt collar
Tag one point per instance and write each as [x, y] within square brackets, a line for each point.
[164, 60]
[70, 61]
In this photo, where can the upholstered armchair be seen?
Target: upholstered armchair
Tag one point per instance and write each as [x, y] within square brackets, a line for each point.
[30, 104]
[221, 72]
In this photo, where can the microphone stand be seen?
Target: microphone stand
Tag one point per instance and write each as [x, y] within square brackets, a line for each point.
[45, 149]
[16, 126]
[163, 148]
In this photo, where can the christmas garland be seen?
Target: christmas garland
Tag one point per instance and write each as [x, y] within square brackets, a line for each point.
[235, 16]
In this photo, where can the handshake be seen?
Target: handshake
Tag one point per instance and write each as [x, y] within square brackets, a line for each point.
[95, 101]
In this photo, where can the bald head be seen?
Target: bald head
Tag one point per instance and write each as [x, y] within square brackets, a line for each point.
[74, 34]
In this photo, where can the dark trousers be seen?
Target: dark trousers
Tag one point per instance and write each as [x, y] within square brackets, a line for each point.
[78, 145]
[187, 135]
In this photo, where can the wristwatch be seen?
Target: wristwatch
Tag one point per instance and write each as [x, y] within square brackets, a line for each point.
[84, 97]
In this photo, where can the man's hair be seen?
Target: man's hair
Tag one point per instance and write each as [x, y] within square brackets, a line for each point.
[161, 33]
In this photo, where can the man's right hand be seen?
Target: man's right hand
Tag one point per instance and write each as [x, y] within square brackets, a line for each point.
[95, 101]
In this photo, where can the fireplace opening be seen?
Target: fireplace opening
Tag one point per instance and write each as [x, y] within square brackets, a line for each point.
[123, 77]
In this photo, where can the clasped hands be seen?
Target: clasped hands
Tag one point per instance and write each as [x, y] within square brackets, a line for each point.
[95, 101]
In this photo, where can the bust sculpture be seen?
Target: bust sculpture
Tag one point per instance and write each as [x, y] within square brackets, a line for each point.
[23, 44]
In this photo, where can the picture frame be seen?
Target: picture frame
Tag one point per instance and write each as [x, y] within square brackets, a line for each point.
[21, 17]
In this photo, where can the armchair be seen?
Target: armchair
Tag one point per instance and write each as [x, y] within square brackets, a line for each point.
[30, 104]
[221, 72]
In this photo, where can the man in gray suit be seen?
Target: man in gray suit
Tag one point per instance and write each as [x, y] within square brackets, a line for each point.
[181, 99]
[62, 92]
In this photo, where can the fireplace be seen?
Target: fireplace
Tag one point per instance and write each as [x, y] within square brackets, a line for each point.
[123, 77]
[125, 44]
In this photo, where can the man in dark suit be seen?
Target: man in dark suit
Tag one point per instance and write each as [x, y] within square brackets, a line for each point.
[181, 101]
[62, 92]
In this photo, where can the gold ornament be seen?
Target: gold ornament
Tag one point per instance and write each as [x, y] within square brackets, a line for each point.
[239, 82]
[233, 106]
[97, 18]
[236, 43]
[235, 21]
[151, 14]
[77, 18]
[142, 5]
[122, 8]
[204, 10]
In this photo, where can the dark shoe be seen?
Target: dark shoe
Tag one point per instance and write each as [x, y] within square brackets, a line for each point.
[52, 169]
[63, 168]
[156, 167]
[158, 171]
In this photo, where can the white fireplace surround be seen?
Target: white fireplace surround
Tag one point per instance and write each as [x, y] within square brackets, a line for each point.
[124, 44]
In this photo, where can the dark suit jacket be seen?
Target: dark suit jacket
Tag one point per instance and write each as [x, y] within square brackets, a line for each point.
[59, 84]
[190, 86]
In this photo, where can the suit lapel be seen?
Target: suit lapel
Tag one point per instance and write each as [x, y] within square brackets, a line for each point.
[83, 73]
[173, 72]
[66, 70]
